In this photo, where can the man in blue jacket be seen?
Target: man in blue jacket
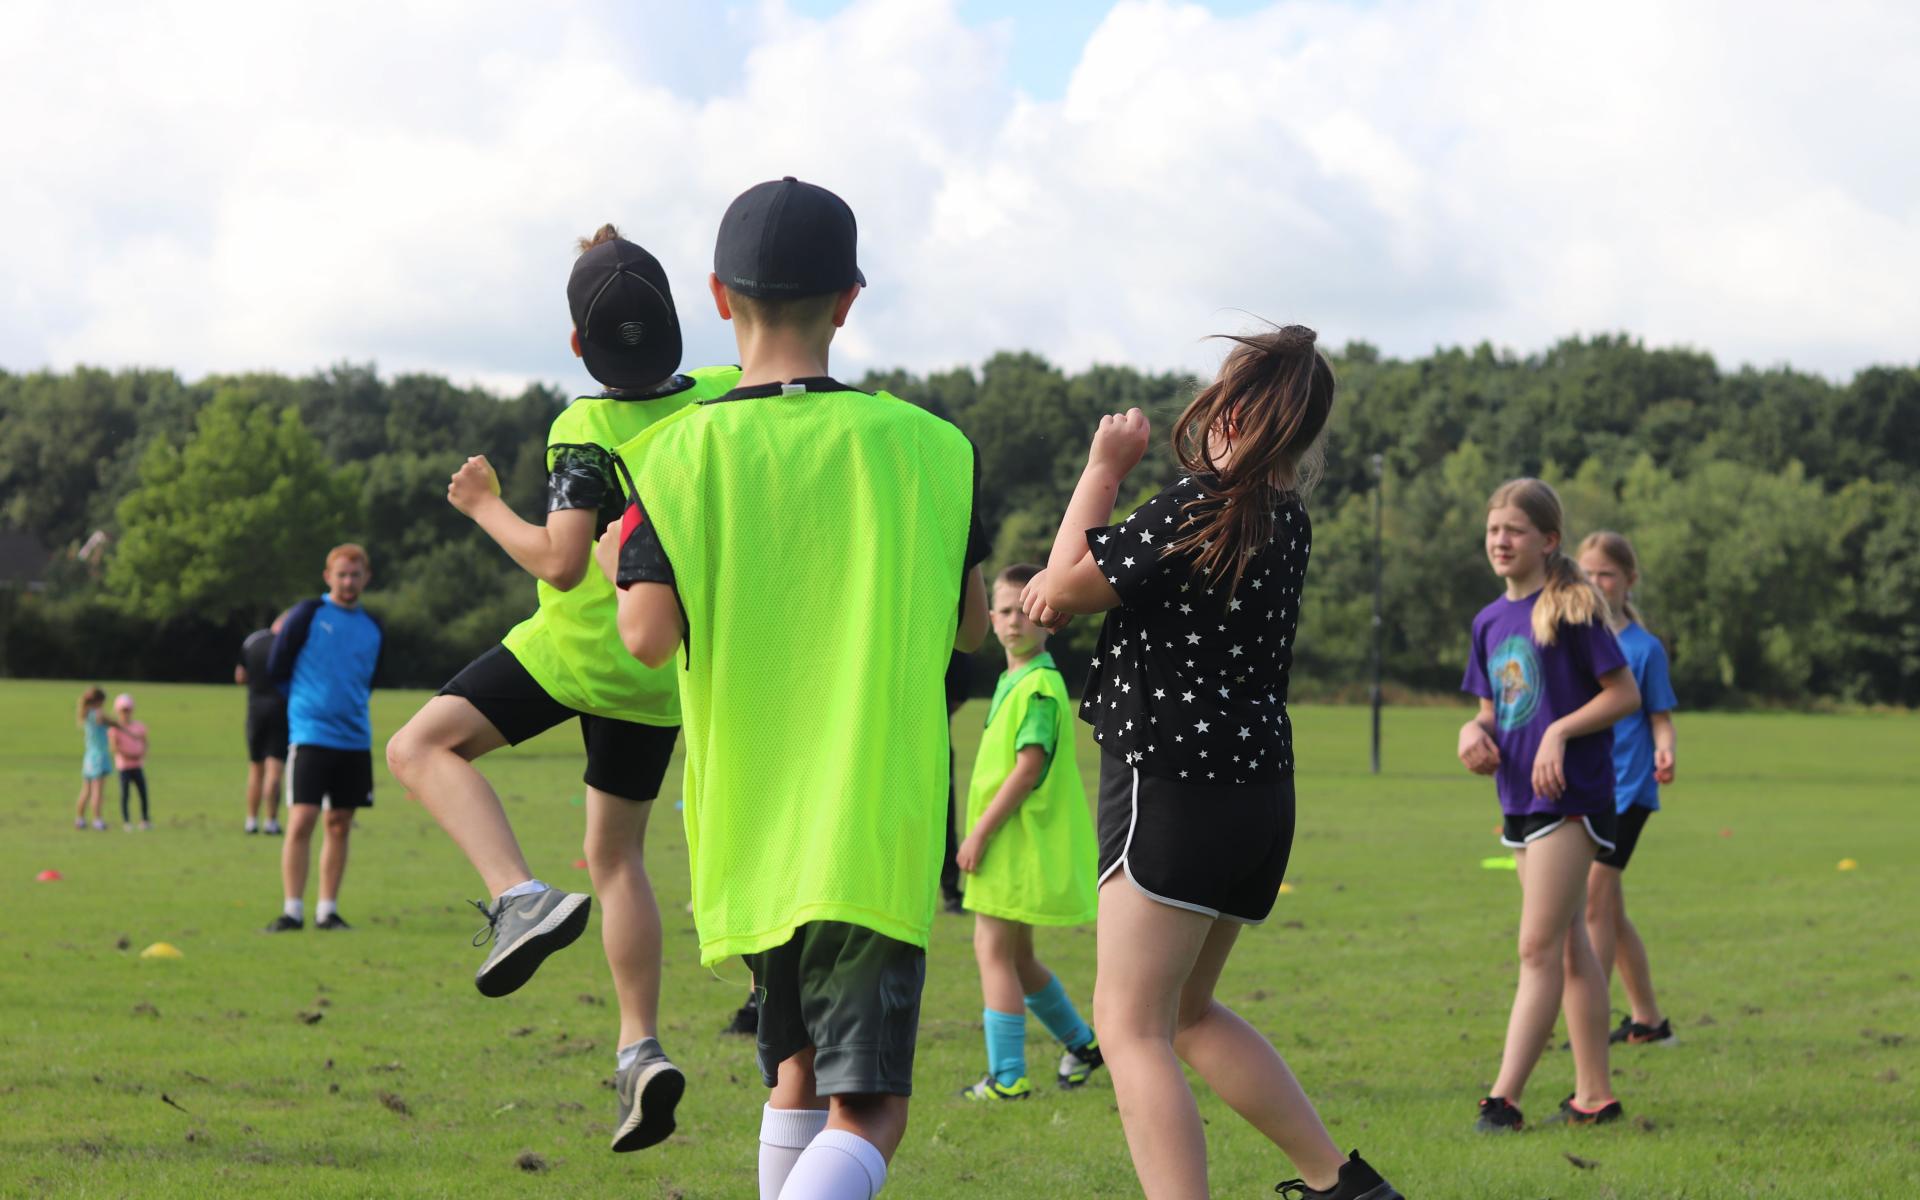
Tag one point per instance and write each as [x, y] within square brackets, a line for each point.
[326, 656]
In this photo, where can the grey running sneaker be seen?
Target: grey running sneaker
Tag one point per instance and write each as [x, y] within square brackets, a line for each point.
[525, 929]
[648, 1091]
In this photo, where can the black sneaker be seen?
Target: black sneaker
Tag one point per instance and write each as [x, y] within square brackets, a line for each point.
[284, 923]
[1358, 1181]
[331, 921]
[1632, 1033]
[1078, 1064]
[1569, 1115]
[1498, 1116]
[952, 903]
[746, 1019]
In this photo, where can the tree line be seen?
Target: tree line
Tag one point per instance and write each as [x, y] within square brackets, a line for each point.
[1776, 512]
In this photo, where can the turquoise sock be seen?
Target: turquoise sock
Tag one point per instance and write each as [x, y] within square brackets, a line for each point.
[1059, 1015]
[1006, 1045]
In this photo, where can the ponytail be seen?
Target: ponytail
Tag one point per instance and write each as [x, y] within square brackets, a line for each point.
[1269, 403]
[1567, 595]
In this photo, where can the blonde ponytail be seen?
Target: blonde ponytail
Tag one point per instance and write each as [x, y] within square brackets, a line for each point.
[1567, 595]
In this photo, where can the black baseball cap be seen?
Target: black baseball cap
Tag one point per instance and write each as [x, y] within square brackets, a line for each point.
[785, 239]
[623, 312]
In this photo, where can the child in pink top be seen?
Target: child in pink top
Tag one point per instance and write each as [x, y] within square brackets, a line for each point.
[129, 741]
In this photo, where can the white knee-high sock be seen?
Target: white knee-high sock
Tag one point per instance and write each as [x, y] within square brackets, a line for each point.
[784, 1133]
[837, 1165]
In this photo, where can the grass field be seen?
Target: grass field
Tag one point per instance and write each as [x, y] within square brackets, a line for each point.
[1385, 978]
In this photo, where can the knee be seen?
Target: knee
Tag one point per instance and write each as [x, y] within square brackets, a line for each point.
[339, 822]
[606, 852]
[403, 753]
[1542, 953]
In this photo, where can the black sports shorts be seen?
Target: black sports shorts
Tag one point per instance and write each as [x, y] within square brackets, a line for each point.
[1219, 849]
[324, 776]
[1626, 836]
[266, 730]
[851, 994]
[624, 758]
[1517, 831]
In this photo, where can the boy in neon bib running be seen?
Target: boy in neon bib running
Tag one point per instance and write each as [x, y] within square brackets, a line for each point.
[1029, 853]
[566, 661]
[804, 539]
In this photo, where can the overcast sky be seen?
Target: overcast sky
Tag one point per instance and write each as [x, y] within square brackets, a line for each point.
[227, 187]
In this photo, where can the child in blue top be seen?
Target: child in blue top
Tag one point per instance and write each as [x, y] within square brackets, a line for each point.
[1642, 761]
[1552, 682]
[96, 761]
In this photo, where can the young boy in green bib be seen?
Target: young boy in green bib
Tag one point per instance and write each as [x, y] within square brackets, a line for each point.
[1029, 853]
[566, 662]
[809, 553]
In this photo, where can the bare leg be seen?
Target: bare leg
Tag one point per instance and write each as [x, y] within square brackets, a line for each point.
[432, 757]
[880, 1119]
[271, 774]
[255, 776]
[1147, 952]
[1636, 974]
[295, 850]
[97, 790]
[1585, 1004]
[629, 916]
[999, 948]
[1553, 886]
[1604, 910]
[1244, 1069]
[80, 805]
[333, 852]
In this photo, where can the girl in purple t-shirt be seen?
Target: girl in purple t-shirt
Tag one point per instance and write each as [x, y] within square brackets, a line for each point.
[1552, 681]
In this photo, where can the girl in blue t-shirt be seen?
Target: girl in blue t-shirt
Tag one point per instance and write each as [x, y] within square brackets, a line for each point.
[1552, 682]
[96, 761]
[1642, 761]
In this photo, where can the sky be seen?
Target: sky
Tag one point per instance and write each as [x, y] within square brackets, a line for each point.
[220, 188]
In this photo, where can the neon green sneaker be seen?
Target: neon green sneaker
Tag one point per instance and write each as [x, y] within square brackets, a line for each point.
[1080, 1062]
[990, 1088]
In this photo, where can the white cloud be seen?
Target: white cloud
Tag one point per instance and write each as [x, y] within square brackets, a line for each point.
[220, 188]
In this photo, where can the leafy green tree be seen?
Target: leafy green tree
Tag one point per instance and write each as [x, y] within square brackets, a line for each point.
[236, 521]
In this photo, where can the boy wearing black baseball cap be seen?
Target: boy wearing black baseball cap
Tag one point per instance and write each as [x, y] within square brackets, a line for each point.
[566, 661]
[792, 512]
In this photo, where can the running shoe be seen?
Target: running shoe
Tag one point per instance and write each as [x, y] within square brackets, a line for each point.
[1079, 1063]
[648, 1091]
[1498, 1116]
[990, 1088]
[1358, 1181]
[1632, 1033]
[1569, 1115]
[332, 921]
[524, 930]
[284, 923]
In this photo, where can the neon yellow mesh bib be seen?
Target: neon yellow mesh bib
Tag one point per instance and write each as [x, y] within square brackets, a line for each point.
[1039, 868]
[817, 543]
[571, 644]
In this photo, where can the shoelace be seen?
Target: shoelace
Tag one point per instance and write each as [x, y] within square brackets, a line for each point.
[493, 921]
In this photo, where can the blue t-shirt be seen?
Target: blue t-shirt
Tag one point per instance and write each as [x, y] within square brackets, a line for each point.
[327, 655]
[1531, 687]
[1633, 781]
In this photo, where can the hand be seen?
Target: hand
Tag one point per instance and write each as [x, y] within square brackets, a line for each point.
[473, 485]
[1120, 442]
[1033, 603]
[972, 849]
[1477, 750]
[606, 552]
[1663, 766]
[1549, 764]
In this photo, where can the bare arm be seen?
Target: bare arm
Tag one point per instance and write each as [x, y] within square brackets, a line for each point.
[1477, 748]
[973, 613]
[1619, 695]
[555, 553]
[1074, 582]
[650, 625]
[240, 675]
[1028, 767]
[1663, 746]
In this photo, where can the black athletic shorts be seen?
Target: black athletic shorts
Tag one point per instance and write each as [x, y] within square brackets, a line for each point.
[851, 994]
[624, 758]
[1626, 836]
[330, 778]
[266, 730]
[1216, 848]
[1518, 831]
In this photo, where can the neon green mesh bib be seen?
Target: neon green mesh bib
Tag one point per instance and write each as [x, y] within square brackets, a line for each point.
[571, 644]
[817, 541]
[1039, 868]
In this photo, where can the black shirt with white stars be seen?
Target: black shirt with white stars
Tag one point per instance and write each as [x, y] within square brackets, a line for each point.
[1186, 683]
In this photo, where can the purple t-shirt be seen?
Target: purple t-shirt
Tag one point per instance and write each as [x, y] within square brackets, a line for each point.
[1531, 687]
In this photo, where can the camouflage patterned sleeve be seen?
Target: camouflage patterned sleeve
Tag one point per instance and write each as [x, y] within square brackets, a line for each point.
[581, 477]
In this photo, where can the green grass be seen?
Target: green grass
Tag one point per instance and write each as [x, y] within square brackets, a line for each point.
[1384, 977]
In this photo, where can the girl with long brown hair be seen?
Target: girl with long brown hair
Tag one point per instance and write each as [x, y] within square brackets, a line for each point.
[1551, 682]
[1187, 698]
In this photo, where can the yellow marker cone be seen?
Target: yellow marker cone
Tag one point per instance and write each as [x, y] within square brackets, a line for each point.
[1847, 864]
[1286, 889]
[162, 950]
[1504, 862]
